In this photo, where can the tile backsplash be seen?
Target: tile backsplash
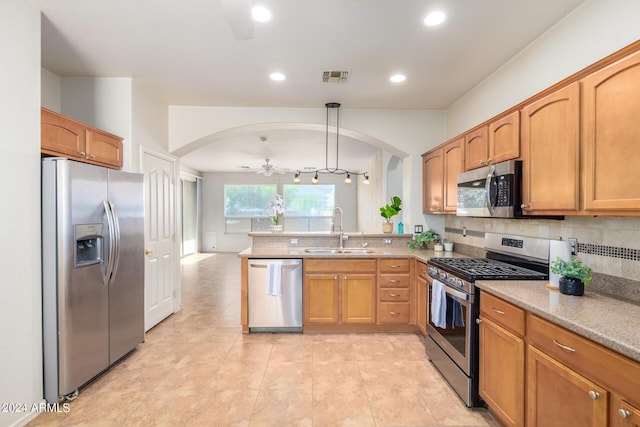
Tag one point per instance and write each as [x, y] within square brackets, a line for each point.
[609, 245]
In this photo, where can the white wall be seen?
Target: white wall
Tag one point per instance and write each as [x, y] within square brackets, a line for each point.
[20, 291]
[51, 90]
[591, 32]
[150, 117]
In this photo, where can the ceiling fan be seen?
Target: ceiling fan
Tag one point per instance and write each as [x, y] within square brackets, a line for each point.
[268, 169]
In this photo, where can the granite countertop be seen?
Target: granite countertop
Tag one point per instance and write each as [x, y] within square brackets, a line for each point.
[606, 320]
[378, 252]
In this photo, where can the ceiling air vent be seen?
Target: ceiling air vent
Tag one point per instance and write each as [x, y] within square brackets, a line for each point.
[331, 76]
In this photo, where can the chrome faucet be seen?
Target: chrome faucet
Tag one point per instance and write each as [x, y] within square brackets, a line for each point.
[338, 210]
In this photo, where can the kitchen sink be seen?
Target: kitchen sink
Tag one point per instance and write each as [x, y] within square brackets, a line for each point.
[337, 251]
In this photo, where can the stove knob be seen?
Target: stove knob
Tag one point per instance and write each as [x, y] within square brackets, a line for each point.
[432, 271]
[458, 283]
[443, 275]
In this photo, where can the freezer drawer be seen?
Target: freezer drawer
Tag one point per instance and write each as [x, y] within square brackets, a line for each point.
[275, 313]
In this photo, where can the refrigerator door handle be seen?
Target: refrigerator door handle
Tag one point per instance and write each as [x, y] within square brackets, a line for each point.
[116, 252]
[111, 228]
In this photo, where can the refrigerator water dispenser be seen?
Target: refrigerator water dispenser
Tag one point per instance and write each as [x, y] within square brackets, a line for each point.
[89, 242]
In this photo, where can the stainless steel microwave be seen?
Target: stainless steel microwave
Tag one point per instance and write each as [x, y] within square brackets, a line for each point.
[493, 191]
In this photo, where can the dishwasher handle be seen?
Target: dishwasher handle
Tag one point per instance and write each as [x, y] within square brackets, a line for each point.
[281, 265]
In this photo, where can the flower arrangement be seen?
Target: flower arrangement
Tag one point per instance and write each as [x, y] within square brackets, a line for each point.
[277, 209]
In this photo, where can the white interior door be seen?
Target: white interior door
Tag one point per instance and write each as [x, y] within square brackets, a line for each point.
[161, 257]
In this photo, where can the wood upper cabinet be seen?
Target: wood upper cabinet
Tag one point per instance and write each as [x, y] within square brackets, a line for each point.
[433, 181]
[65, 137]
[504, 138]
[559, 396]
[611, 137]
[339, 291]
[550, 152]
[476, 145]
[440, 169]
[501, 359]
[453, 158]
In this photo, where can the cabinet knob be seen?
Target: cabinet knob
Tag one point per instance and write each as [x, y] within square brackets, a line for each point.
[394, 295]
[478, 321]
[92, 156]
[82, 153]
[482, 162]
[394, 313]
[500, 312]
[624, 414]
[345, 277]
[594, 395]
[489, 160]
[523, 206]
[335, 277]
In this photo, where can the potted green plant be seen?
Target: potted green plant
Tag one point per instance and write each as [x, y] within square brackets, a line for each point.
[422, 240]
[574, 275]
[389, 211]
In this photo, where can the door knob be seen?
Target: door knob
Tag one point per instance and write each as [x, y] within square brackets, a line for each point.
[148, 251]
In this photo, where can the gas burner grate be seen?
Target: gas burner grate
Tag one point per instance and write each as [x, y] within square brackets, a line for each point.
[482, 268]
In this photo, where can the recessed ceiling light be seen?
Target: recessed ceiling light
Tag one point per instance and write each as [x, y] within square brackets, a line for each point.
[260, 14]
[277, 76]
[397, 78]
[434, 18]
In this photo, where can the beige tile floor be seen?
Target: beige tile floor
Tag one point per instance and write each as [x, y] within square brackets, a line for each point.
[197, 369]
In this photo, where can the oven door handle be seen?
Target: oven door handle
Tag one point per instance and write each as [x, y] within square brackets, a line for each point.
[487, 190]
[449, 290]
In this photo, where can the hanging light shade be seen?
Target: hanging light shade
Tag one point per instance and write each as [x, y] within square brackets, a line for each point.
[327, 170]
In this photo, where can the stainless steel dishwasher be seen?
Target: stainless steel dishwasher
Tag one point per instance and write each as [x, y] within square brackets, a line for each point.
[275, 311]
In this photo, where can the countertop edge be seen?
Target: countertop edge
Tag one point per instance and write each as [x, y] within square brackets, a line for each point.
[594, 304]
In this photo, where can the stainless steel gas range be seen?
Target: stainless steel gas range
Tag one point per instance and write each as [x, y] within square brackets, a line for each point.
[452, 331]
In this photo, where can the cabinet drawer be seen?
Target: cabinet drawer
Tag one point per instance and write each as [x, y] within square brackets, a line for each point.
[503, 313]
[394, 265]
[606, 367]
[393, 281]
[339, 265]
[394, 295]
[394, 312]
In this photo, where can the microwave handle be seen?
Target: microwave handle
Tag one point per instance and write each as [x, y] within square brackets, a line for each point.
[487, 190]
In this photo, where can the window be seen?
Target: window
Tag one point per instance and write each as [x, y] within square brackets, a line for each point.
[307, 207]
[246, 207]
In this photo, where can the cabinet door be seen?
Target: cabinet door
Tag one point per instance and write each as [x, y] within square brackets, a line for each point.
[421, 304]
[504, 138]
[320, 297]
[558, 396]
[358, 298]
[59, 136]
[502, 372]
[433, 181]
[611, 136]
[550, 136]
[104, 149]
[453, 153]
[626, 415]
[476, 148]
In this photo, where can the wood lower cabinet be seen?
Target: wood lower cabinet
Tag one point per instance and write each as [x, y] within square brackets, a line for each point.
[394, 290]
[502, 359]
[422, 297]
[65, 137]
[611, 137]
[550, 153]
[624, 414]
[339, 291]
[559, 396]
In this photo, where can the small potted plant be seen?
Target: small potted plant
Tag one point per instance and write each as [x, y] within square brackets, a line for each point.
[574, 275]
[389, 211]
[422, 240]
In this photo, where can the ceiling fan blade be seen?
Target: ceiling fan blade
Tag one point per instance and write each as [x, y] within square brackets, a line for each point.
[238, 16]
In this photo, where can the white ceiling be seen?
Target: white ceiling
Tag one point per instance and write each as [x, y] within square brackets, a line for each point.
[186, 52]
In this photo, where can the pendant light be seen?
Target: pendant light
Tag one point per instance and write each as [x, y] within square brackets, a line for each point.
[327, 170]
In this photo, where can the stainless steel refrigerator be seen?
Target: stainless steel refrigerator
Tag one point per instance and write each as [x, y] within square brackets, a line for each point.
[92, 271]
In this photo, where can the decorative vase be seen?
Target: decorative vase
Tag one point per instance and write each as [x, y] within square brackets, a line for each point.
[276, 228]
[387, 227]
[571, 286]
